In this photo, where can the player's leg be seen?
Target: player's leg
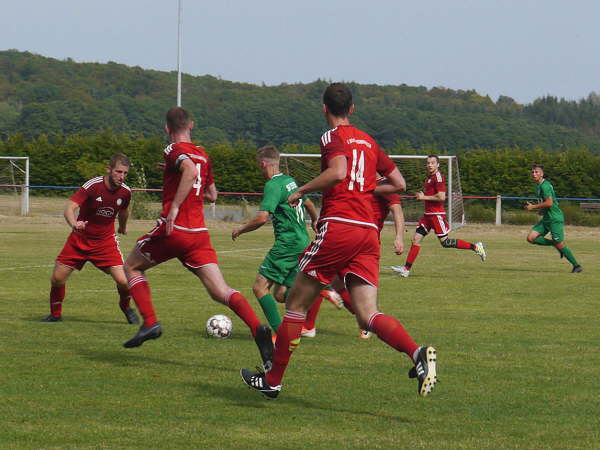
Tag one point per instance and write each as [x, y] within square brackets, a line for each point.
[537, 235]
[261, 289]
[118, 275]
[558, 236]
[415, 247]
[135, 268]
[58, 280]
[309, 328]
[442, 228]
[391, 331]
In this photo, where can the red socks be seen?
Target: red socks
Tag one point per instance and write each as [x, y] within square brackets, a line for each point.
[57, 295]
[311, 316]
[390, 331]
[288, 338]
[412, 255]
[239, 305]
[140, 291]
[347, 300]
[464, 245]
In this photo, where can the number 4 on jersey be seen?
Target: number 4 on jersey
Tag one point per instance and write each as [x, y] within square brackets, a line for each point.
[358, 171]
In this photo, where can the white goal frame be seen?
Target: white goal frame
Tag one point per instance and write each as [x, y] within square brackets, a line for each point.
[453, 197]
[24, 187]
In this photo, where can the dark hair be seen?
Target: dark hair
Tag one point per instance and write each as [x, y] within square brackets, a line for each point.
[177, 119]
[537, 166]
[268, 152]
[437, 158]
[119, 158]
[338, 99]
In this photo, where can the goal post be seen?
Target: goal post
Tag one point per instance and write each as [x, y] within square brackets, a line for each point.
[305, 166]
[14, 180]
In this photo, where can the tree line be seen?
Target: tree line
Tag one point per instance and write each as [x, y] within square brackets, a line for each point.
[60, 160]
[45, 96]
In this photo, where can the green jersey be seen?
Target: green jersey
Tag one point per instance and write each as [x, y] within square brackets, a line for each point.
[542, 192]
[288, 222]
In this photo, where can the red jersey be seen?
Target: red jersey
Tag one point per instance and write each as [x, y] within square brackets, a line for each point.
[381, 207]
[99, 206]
[350, 201]
[433, 184]
[191, 211]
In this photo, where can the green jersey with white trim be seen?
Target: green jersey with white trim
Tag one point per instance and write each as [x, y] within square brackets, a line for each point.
[288, 222]
[542, 192]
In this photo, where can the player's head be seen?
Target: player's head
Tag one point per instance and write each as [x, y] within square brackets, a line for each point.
[178, 121]
[433, 163]
[337, 100]
[268, 157]
[117, 169]
[537, 172]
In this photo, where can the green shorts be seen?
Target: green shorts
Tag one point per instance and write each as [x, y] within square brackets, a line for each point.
[280, 265]
[556, 229]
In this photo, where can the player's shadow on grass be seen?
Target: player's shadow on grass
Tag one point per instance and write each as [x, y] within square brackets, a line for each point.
[246, 398]
[76, 319]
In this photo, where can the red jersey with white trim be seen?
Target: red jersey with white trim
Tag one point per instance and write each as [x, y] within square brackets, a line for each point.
[99, 206]
[433, 184]
[381, 207]
[350, 201]
[191, 211]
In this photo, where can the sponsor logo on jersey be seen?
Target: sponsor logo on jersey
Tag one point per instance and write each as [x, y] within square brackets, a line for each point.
[99, 199]
[106, 211]
[291, 186]
[119, 201]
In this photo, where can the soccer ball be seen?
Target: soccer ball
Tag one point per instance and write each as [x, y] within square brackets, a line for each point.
[219, 326]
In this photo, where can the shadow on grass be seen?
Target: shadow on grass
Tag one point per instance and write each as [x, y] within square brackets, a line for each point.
[127, 358]
[246, 398]
[77, 319]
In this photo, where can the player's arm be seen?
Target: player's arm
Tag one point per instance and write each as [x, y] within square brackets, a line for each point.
[335, 173]
[394, 182]
[189, 174]
[312, 212]
[71, 217]
[547, 203]
[437, 197]
[398, 218]
[255, 223]
[122, 218]
[210, 193]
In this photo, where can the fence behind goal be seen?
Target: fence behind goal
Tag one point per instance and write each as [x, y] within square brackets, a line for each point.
[304, 167]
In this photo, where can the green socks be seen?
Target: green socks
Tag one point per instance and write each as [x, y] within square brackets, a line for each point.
[269, 307]
[541, 240]
[567, 252]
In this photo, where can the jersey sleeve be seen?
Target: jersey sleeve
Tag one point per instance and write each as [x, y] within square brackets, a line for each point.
[271, 196]
[331, 145]
[547, 190]
[80, 196]
[210, 178]
[440, 184]
[173, 156]
[385, 165]
[126, 200]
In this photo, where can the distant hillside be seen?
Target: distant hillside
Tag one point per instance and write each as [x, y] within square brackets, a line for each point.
[40, 95]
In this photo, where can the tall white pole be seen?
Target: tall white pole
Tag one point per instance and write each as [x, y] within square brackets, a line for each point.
[179, 54]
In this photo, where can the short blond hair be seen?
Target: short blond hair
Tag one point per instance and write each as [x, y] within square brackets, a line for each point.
[269, 152]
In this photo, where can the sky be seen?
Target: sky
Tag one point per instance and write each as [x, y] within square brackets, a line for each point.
[523, 49]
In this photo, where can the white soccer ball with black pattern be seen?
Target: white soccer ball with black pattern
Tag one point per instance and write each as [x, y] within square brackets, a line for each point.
[219, 326]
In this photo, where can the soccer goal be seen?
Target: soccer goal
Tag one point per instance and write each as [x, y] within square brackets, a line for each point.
[14, 183]
[304, 167]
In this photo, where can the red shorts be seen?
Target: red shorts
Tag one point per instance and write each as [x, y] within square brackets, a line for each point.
[193, 249]
[436, 222]
[340, 249]
[100, 252]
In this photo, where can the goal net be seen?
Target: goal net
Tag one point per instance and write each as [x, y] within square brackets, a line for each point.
[304, 167]
[14, 184]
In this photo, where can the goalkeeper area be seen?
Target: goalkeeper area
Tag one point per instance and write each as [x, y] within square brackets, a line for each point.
[517, 340]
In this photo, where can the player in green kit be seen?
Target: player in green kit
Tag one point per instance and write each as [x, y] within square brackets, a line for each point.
[552, 222]
[280, 266]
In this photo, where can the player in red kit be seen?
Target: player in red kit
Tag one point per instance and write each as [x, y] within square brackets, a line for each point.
[100, 200]
[181, 233]
[346, 245]
[434, 196]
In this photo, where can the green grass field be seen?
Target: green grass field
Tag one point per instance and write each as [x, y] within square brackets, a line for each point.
[517, 338]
